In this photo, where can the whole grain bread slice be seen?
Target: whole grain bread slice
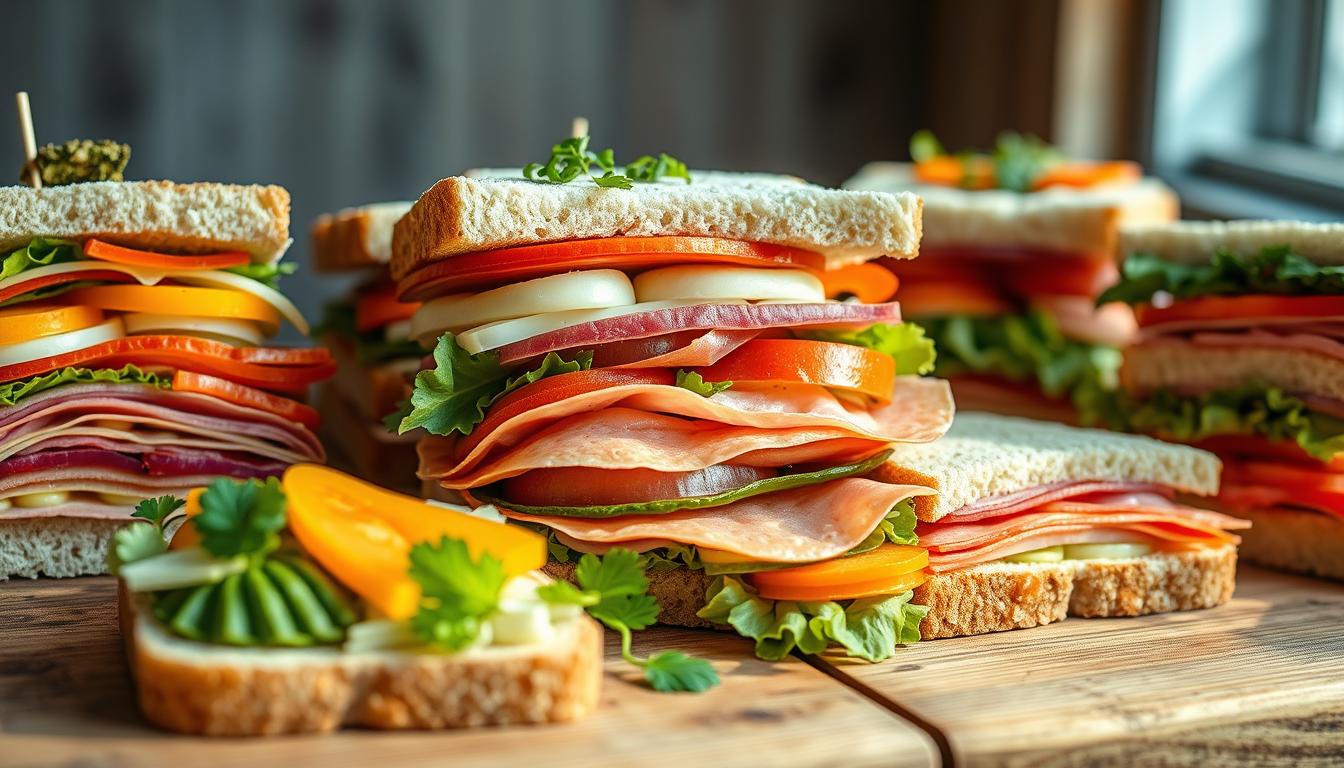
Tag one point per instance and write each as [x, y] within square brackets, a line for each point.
[356, 238]
[1193, 242]
[985, 455]
[1310, 543]
[462, 215]
[157, 215]
[58, 547]
[1176, 364]
[1055, 219]
[191, 687]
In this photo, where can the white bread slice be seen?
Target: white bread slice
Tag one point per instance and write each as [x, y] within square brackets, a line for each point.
[461, 215]
[1304, 542]
[1057, 219]
[985, 455]
[58, 547]
[1193, 242]
[1159, 364]
[356, 238]
[715, 178]
[1000, 596]
[195, 688]
[163, 215]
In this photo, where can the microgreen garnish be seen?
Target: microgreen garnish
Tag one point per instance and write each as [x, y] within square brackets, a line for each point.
[572, 158]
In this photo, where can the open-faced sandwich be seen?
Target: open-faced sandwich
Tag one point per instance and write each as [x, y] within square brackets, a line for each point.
[1017, 245]
[134, 318]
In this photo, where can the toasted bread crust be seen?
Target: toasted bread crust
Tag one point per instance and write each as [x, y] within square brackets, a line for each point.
[1177, 364]
[355, 238]
[217, 693]
[1193, 242]
[1310, 543]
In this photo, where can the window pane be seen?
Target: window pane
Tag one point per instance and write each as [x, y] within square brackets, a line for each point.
[1329, 130]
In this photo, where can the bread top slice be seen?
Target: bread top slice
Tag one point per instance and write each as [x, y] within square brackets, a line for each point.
[356, 238]
[985, 455]
[157, 215]
[1055, 219]
[461, 215]
[1193, 242]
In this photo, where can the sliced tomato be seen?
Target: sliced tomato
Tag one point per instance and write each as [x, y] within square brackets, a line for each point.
[118, 254]
[1257, 447]
[870, 283]
[960, 297]
[589, 486]
[1240, 307]
[1314, 488]
[837, 366]
[178, 300]
[28, 322]
[1083, 174]
[487, 269]
[238, 394]
[553, 389]
[21, 287]
[285, 370]
[889, 569]
[378, 308]
[1025, 273]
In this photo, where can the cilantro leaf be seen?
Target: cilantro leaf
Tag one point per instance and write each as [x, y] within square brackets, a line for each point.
[696, 383]
[133, 542]
[675, 671]
[457, 593]
[158, 511]
[905, 343]
[241, 517]
[572, 158]
[615, 575]
[632, 611]
[454, 396]
[564, 593]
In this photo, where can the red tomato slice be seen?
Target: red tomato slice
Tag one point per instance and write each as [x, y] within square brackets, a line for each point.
[829, 364]
[1306, 487]
[487, 269]
[588, 486]
[285, 370]
[51, 281]
[870, 283]
[961, 297]
[1025, 273]
[1226, 307]
[378, 308]
[1257, 447]
[117, 254]
[233, 392]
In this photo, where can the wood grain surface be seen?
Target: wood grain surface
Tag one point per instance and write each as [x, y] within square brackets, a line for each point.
[66, 700]
[1259, 681]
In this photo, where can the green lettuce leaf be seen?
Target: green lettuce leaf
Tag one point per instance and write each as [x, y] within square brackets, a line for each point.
[1030, 347]
[697, 384]
[12, 392]
[869, 629]
[1275, 269]
[39, 252]
[906, 343]
[1248, 410]
[267, 274]
[454, 396]
[371, 347]
[898, 527]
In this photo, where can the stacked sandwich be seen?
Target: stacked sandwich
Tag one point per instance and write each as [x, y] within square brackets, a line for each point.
[368, 334]
[1034, 521]
[133, 360]
[1241, 352]
[1016, 247]
[647, 361]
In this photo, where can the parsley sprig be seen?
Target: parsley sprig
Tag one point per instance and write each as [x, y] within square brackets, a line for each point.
[572, 158]
[137, 542]
[457, 593]
[614, 590]
[241, 517]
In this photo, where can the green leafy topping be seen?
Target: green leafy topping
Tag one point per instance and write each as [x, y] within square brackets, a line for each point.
[665, 506]
[696, 383]
[457, 593]
[572, 158]
[869, 628]
[1018, 160]
[925, 146]
[454, 396]
[371, 347]
[1248, 410]
[1031, 348]
[158, 511]
[614, 590]
[898, 527]
[14, 391]
[80, 160]
[267, 274]
[138, 541]
[1275, 269]
[241, 517]
[39, 252]
[905, 343]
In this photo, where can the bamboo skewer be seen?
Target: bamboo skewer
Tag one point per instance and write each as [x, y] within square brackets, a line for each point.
[579, 127]
[29, 139]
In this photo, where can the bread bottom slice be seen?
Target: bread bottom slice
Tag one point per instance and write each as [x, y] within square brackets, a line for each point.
[1304, 542]
[1001, 596]
[55, 546]
[196, 688]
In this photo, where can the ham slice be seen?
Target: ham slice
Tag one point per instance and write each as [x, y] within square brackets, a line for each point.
[99, 480]
[1302, 342]
[920, 411]
[1029, 498]
[1285, 324]
[797, 526]
[624, 438]
[90, 510]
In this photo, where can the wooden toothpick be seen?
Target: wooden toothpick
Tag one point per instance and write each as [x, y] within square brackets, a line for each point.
[29, 139]
[579, 127]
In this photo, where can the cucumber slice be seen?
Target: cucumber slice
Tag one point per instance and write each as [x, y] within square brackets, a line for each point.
[167, 603]
[270, 615]
[1106, 551]
[1043, 555]
[233, 623]
[193, 617]
[181, 568]
[328, 593]
[304, 606]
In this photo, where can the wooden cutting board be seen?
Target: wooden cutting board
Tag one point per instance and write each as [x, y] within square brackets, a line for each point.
[1259, 681]
[66, 700]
